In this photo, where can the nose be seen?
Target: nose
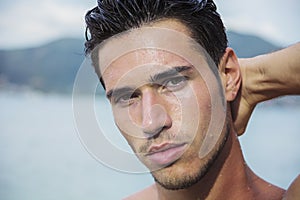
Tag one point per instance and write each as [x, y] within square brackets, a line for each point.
[155, 117]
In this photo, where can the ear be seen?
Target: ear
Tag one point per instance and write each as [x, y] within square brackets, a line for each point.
[229, 70]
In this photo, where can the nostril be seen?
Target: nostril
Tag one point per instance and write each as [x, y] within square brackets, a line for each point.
[153, 133]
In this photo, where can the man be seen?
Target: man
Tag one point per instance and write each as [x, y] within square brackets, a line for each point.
[165, 90]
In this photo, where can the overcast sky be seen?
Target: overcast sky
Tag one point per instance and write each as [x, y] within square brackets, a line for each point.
[25, 23]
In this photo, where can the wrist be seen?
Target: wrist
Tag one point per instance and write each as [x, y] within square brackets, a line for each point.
[254, 79]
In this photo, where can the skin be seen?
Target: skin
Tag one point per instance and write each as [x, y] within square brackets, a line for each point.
[154, 110]
[293, 192]
[265, 77]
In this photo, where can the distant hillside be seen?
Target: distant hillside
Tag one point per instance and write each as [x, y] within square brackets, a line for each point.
[249, 45]
[49, 68]
[52, 67]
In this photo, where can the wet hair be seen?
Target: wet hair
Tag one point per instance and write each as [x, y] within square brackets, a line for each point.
[112, 17]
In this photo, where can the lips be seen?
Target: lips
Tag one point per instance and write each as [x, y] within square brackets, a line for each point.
[166, 153]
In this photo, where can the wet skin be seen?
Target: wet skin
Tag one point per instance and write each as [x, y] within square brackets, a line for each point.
[154, 94]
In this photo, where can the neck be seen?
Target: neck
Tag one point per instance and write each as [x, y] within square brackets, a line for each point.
[228, 178]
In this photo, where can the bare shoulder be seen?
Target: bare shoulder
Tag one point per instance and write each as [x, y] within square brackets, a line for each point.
[293, 192]
[148, 193]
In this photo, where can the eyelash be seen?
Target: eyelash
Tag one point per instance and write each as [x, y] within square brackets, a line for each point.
[128, 96]
[180, 82]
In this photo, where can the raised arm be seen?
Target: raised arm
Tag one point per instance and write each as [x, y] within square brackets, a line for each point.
[266, 77]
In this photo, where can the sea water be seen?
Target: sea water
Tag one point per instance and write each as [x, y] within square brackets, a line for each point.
[42, 157]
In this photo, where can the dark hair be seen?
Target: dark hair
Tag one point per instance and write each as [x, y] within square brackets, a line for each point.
[112, 17]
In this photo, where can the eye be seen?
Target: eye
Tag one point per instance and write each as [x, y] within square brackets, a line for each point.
[175, 83]
[126, 99]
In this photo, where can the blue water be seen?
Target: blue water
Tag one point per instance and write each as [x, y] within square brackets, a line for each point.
[42, 157]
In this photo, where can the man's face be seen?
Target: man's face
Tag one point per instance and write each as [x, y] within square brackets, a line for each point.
[162, 106]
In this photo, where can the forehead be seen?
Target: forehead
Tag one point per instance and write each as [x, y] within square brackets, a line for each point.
[140, 65]
[162, 34]
[163, 43]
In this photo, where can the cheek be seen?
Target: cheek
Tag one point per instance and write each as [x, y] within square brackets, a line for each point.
[131, 142]
[196, 116]
[127, 122]
[196, 106]
[134, 142]
[128, 127]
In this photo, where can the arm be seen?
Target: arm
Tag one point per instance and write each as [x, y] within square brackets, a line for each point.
[293, 192]
[266, 77]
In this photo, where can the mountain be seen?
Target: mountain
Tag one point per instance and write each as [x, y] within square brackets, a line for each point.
[49, 68]
[249, 45]
[52, 67]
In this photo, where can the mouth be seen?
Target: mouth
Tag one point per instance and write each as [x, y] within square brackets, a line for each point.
[166, 153]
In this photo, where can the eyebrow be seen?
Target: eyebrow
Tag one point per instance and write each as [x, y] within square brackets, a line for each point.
[118, 91]
[153, 79]
[169, 73]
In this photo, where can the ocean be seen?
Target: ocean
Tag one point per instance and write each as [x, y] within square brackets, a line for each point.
[42, 156]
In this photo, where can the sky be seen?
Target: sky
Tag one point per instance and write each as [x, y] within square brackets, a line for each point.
[29, 23]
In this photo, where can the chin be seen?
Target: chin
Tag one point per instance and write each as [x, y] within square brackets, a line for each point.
[182, 174]
[189, 169]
